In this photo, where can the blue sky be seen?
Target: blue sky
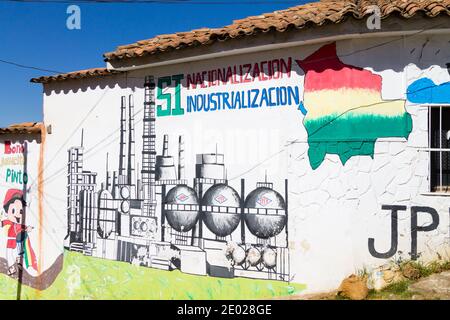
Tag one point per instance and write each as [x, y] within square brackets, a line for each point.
[36, 35]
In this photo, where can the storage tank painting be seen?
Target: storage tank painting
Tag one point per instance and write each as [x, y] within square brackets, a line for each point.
[253, 256]
[269, 221]
[269, 258]
[239, 255]
[183, 203]
[221, 209]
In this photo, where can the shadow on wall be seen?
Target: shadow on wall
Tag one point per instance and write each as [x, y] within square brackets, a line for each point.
[16, 138]
[121, 80]
[42, 282]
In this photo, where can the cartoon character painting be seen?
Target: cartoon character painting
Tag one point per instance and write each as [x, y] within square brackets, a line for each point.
[18, 245]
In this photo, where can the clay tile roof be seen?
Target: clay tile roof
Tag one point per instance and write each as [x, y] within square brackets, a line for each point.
[22, 128]
[88, 73]
[316, 13]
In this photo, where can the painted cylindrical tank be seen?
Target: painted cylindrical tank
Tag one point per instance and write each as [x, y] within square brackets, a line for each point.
[269, 222]
[239, 255]
[221, 209]
[165, 168]
[182, 218]
[106, 214]
[269, 258]
[253, 256]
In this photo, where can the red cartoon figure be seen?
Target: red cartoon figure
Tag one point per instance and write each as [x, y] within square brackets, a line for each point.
[18, 243]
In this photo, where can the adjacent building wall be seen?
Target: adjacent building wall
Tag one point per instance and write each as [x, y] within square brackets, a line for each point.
[25, 231]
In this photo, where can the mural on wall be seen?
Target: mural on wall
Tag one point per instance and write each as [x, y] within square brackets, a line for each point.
[152, 217]
[344, 111]
[154, 228]
[250, 95]
[426, 91]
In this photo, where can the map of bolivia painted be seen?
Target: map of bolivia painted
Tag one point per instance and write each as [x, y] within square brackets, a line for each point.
[345, 113]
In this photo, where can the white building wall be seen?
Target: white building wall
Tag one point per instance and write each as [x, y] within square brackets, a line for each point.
[333, 209]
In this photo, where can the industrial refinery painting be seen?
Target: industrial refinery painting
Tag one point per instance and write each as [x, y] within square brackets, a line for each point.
[152, 215]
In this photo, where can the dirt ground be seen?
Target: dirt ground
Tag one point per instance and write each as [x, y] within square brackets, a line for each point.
[433, 287]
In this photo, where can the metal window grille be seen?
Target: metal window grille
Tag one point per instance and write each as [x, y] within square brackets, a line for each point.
[439, 148]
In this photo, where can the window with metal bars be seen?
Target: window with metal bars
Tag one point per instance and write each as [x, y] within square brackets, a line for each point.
[439, 144]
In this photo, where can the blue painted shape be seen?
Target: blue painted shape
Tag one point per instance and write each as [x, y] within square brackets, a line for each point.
[426, 91]
[301, 107]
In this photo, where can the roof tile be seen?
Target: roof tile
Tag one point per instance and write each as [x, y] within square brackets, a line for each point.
[316, 13]
[22, 128]
[88, 73]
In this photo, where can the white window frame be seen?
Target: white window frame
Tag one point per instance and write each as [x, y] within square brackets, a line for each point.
[429, 149]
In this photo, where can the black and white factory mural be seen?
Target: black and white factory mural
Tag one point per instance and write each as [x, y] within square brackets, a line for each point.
[152, 215]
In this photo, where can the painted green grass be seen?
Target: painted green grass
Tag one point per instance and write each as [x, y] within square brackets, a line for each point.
[105, 279]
